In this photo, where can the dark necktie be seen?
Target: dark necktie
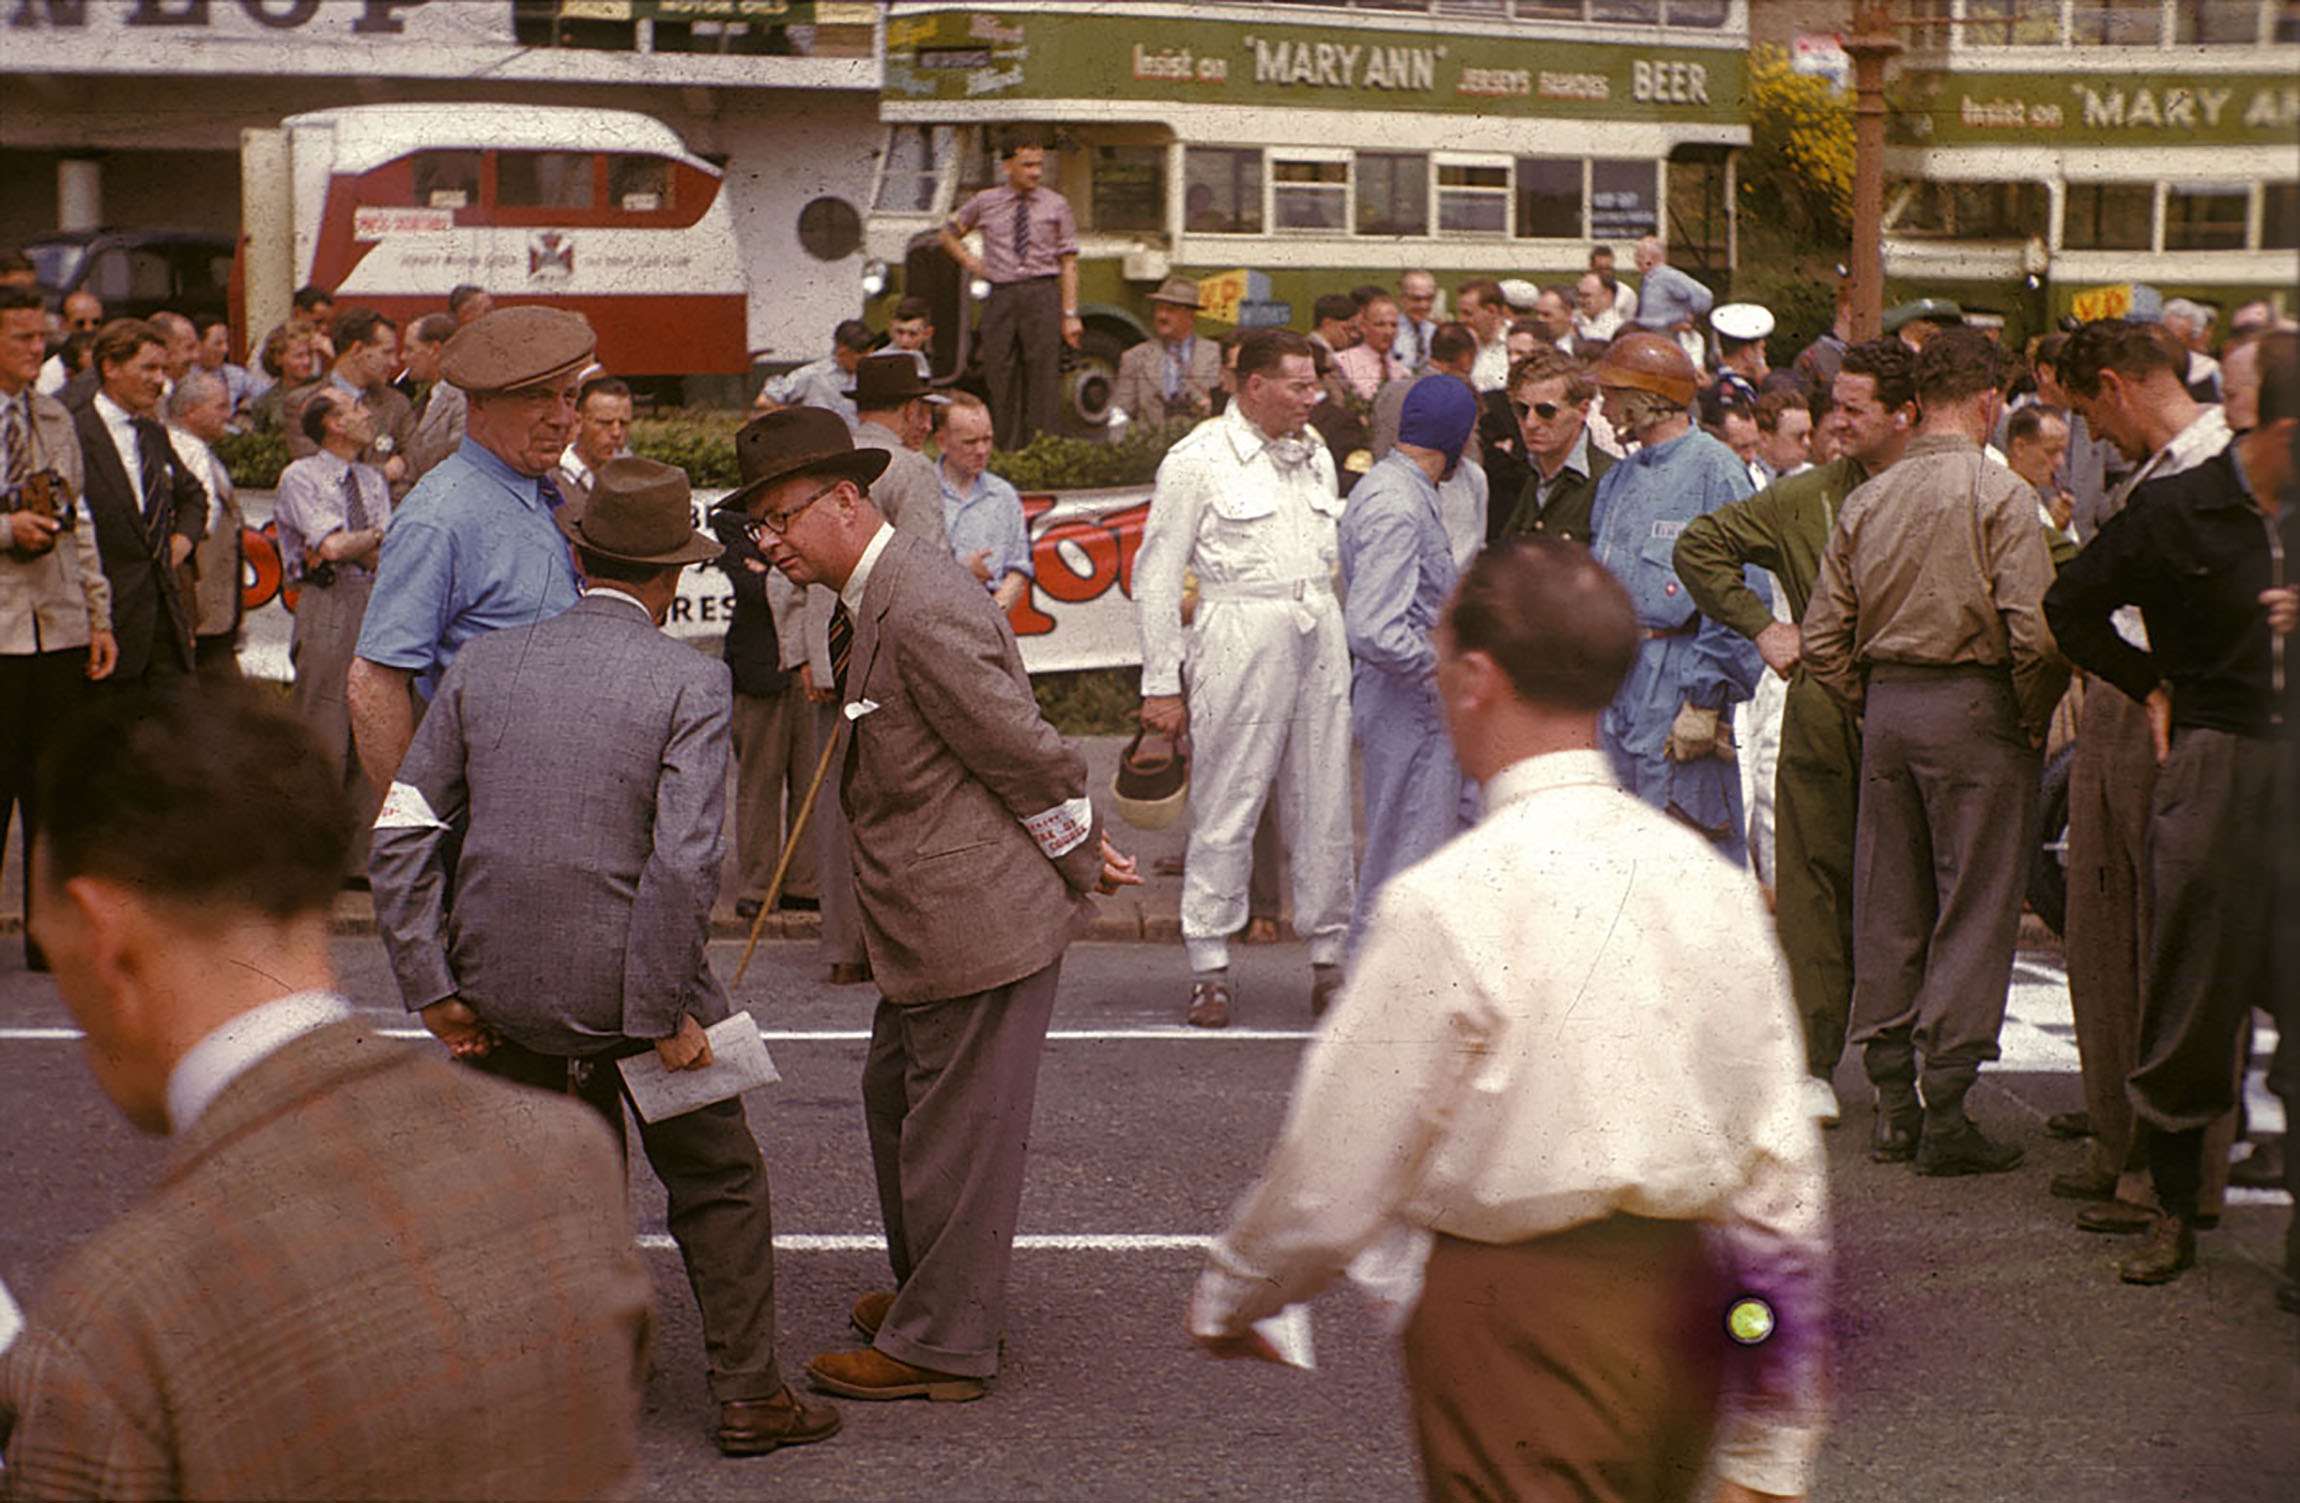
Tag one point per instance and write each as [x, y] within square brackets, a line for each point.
[17, 440]
[1021, 232]
[152, 465]
[355, 514]
[842, 645]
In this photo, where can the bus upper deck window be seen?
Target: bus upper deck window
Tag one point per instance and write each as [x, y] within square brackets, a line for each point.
[638, 184]
[446, 179]
[1222, 191]
[543, 179]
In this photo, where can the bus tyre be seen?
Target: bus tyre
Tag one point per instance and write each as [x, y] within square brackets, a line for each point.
[2048, 863]
[1089, 380]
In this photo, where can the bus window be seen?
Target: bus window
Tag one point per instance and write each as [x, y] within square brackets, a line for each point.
[543, 179]
[2011, 23]
[2205, 216]
[1309, 194]
[1393, 193]
[2218, 23]
[638, 184]
[1699, 217]
[2117, 23]
[1128, 188]
[2280, 216]
[1473, 198]
[1222, 191]
[1621, 200]
[446, 179]
[907, 184]
[2108, 216]
[1696, 12]
[1637, 12]
[1549, 198]
[1984, 211]
[1549, 10]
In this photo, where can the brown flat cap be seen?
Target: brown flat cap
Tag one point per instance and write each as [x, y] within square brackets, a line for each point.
[798, 441]
[518, 347]
[638, 513]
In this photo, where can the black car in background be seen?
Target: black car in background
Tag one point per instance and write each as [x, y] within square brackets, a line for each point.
[137, 272]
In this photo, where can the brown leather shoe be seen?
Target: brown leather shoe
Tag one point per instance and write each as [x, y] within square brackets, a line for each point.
[2116, 1218]
[869, 1313]
[848, 974]
[1209, 1005]
[2169, 1252]
[868, 1373]
[753, 1427]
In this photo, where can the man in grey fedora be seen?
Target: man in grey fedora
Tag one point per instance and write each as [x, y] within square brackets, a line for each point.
[1173, 374]
[955, 788]
[580, 765]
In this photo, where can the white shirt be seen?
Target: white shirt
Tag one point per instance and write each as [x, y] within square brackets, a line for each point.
[1574, 1010]
[851, 593]
[1226, 509]
[120, 424]
[247, 1040]
[1490, 372]
[1606, 324]
[206, 469]
[572, 474]
[52, 376]
[612, 593]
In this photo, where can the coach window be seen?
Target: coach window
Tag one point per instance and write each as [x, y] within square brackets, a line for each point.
[1127, 189]
[2117, 23]
[1624, 202]
[1310, 191]
[2280, 216]
[638, 184]
[2011, 23]
[543, 179]
[2205, 216]
[1393, 196]
[1709, 13]
[2108, 216]
[2217, 23]
[446, 179]
[1550, 10]
[1473, 196]
[1635, 12]
[1221, 191]
[1549, 198]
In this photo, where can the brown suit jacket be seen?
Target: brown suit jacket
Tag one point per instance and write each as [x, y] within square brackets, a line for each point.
[939, 778]
[368, 1273]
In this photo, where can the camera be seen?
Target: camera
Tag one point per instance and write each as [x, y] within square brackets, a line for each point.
[44, 494]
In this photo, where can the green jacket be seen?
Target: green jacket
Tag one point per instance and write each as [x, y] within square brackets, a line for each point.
[1568, 515]
[1783, 528]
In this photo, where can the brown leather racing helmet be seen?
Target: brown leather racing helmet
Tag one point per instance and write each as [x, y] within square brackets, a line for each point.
[1645, 361]
[1152, 786]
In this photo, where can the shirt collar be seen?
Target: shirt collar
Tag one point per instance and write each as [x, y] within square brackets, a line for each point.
[952, 489]
[573, 464]
[1577, 461]
[1540, 774]
[1246, 440]
[527, 488]
[336, 380]
[852, 591]
[239, 1045]
[1653, 453]
[612, 593]
[113, 414]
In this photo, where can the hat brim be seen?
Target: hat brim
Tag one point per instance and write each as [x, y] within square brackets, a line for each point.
[700, 547]
[862, 466]
[551, 377]
[1177, 302]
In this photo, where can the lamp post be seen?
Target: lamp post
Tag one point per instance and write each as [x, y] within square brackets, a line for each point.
[1872, 42]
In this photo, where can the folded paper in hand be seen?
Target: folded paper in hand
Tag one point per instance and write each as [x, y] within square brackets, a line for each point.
[738, 1062]
[1288, 1333]
[11, 1319]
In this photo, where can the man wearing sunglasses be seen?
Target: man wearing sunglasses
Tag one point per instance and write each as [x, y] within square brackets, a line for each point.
[1550, 393]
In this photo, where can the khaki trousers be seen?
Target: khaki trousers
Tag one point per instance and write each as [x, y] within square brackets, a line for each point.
[774, 759]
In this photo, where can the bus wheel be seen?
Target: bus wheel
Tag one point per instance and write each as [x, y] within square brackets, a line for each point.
[1089, 380]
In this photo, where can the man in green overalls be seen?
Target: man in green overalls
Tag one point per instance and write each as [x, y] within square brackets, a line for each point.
[1784, 529]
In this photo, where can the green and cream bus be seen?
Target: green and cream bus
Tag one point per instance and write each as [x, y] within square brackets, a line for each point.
[2070, 145]
[1276, 151]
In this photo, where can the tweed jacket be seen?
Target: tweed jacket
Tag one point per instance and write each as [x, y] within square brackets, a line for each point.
[49, 601]
[148, 597]
[583, 761]
[1141, 389]
[368, 1273]
[909, 495]
[439, 426]
[216, 562]
[939, 777]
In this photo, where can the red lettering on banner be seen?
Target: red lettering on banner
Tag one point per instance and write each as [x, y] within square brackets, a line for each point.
[1109, 543]
[1026, 618]
[260, 569]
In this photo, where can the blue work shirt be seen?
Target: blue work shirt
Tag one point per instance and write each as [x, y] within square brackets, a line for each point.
[1397, 570]
[986, 514]
[1667, 297]
[473, 549]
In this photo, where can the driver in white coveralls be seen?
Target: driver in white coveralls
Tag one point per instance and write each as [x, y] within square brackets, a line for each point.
[1247, 503]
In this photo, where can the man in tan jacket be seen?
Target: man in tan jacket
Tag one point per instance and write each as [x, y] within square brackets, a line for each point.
[304, 1307]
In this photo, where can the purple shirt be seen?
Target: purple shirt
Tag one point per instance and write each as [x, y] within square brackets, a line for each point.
[1053, 233]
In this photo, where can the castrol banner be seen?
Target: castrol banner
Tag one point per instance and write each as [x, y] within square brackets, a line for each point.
[1078, 614]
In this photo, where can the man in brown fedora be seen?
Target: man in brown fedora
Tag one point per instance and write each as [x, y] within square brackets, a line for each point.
[1174, 374]
[582, 765]
[472, 549]
[955, 787]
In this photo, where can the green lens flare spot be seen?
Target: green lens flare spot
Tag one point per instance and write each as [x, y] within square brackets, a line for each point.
[1749, 1320]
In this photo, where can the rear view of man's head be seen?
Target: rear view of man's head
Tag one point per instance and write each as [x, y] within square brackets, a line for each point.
[190, 849]
[1535, 644]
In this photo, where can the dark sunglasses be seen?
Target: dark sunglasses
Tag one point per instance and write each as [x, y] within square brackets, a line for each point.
[1543, 410]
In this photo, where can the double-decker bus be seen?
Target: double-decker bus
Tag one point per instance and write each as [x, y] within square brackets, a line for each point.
[1276, 151]
[2069, 146]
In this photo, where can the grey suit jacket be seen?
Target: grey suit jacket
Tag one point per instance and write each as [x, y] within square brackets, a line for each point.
[584, 763]
[438, 427]
[910, 497]
[939, 778]
[1141, 389]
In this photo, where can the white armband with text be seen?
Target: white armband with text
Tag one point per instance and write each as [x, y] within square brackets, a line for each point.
[405, 808]
[1063, 828]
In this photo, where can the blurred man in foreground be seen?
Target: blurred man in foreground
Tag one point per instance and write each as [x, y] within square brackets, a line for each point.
[304, 1308]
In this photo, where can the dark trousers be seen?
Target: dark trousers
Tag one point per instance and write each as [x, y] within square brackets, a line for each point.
[38, 692]
[2213, 823]
[217, 658]
[1580, 1367]
[1021, 348]
[774, 755]
[1948, 804]
[1816, 810]
[948, 1089]
[327, 622]
[841, 941]
[719, 1213]
[2110, 779]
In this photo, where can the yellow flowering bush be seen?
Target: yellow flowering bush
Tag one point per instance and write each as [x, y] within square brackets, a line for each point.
[1800, 157]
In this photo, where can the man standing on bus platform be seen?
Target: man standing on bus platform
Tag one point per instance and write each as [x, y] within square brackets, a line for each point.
[473, 549]
[1030, 258]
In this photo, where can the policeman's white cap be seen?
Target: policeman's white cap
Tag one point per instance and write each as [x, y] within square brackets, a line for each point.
[1520, 294]
[1743, 321]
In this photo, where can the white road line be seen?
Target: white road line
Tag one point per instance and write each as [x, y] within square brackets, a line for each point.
[1122, 1242]
[841, 1035]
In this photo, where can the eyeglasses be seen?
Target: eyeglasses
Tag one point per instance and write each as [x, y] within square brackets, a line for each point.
[1543, 410]
[776, 523]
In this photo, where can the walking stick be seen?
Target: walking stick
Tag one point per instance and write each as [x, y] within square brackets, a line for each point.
[790, 846]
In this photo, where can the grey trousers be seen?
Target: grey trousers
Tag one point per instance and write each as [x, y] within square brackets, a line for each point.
[1947, 809]
[774, 757]
[842, 936]
[1021, 349]
[2110, 781]
[326, 638]
[720, 1213]
[948, 1089]
[2213, 824]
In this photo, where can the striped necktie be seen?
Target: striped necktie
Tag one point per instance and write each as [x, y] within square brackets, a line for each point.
[842, 645]
[16, 438]
[1021, 232]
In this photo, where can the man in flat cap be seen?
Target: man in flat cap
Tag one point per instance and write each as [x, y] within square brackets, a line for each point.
[472, 549]
[958, 791]
[582, 765]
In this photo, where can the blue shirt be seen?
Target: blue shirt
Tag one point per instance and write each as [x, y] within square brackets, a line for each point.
[312, 504]
[473, 549]
[818, 383]
[987, 514]
[1668, 297]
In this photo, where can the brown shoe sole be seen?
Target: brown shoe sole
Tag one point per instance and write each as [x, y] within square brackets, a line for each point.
[761, 1442]
[948, 1390]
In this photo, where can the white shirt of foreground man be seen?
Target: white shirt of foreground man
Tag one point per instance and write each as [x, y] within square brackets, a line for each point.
[1639, 1061]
